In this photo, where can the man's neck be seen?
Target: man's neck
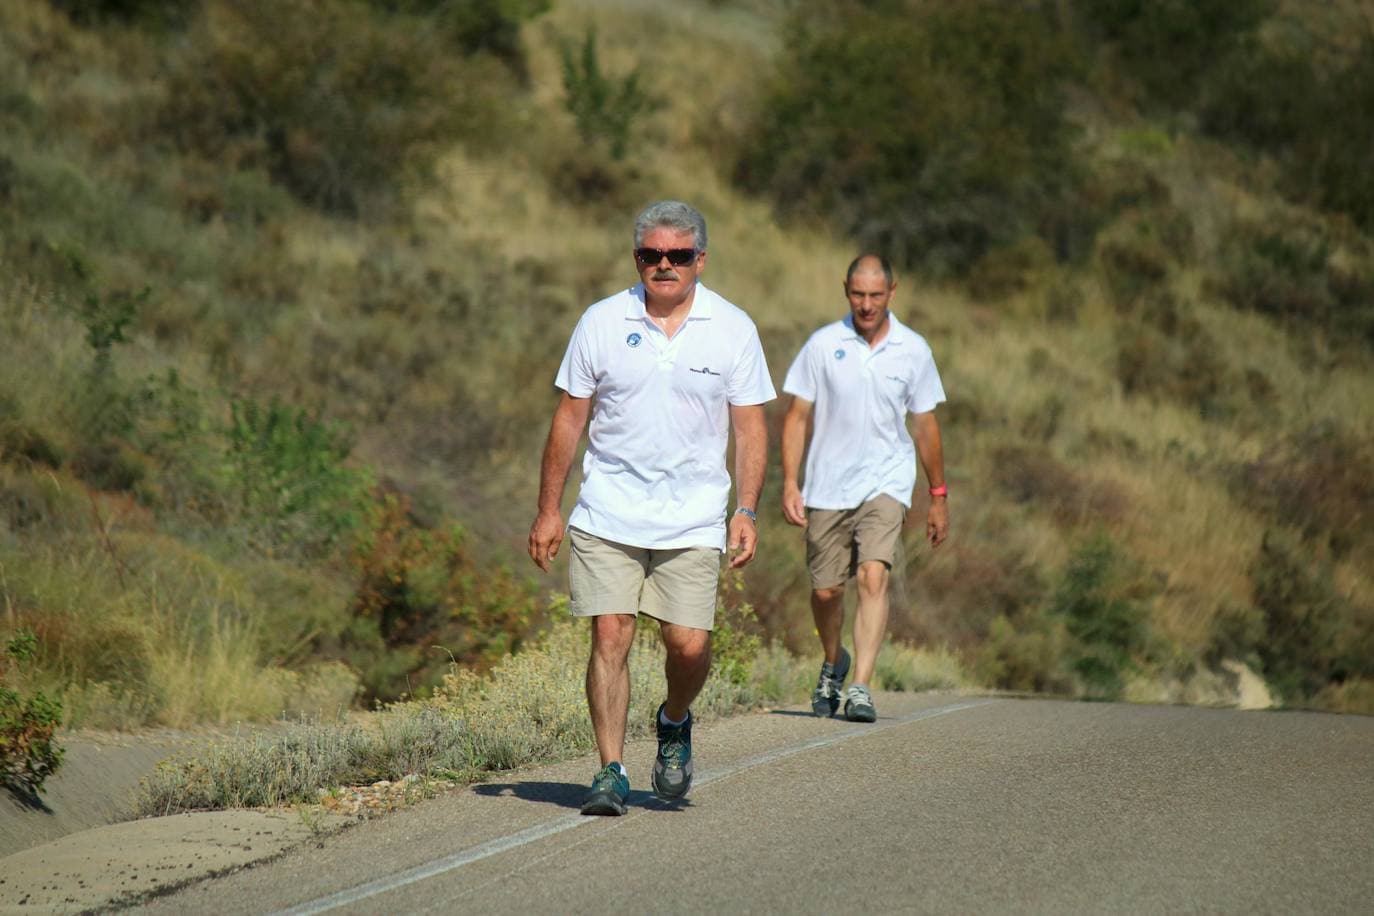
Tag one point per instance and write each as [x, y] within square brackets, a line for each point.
[668, 308]
[878, 334]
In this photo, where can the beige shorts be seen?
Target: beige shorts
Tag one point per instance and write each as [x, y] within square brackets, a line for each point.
[838, 540]
[675, 586]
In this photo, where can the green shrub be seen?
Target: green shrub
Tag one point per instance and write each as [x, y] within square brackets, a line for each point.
[1171, 46]
[29, 753]
[1301, 270]
[1100, 603]
[932, 132]
[1090, 634]
[1025, 652]
[472, 26]
[735, 642]
[1313, 636]
[152, 12]
[262, 84]
[1312, 113]
[287, 467]
[605, 109]
[423, 603]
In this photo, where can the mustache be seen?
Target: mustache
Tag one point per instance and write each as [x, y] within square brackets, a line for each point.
[664, 275]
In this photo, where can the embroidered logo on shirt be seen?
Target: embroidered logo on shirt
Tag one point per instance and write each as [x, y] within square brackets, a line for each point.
[634, 340]
[839, 354]
[704, 370]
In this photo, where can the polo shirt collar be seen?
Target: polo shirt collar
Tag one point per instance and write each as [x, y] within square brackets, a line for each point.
[702, 303]
[896, 331]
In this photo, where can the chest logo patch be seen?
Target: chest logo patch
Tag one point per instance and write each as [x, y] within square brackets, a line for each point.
[704, 370]
[839, 354]
[634, 340]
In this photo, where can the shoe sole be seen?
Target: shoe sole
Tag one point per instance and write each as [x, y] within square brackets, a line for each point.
[665, 791]
[603, 804]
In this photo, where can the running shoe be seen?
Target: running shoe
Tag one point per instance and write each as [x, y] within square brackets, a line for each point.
[673, 765]
[609, 790]
[858, 704]
[825, 699]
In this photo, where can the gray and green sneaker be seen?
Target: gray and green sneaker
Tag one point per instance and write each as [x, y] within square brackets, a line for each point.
[609, 790]
[673, 765]
[825, 699]
[858, 704]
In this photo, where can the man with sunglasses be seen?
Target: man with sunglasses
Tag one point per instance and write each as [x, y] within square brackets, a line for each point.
[855, 381]
[665, 370]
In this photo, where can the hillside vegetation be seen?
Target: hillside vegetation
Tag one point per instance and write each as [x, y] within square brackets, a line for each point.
[284, 284]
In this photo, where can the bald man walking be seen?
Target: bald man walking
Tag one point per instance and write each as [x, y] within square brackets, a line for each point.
[855, 382]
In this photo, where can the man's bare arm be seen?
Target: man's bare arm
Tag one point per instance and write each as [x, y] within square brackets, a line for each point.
[751, 461]
[931, 452]
[546, 534]
[794, 426]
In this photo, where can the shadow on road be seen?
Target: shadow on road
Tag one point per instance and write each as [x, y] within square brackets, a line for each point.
[570, 795]
[562, 794]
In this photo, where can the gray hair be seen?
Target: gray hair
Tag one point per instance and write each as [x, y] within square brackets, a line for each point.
[675, 215]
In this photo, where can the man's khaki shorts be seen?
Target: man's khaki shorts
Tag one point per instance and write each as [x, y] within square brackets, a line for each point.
[838, 540]
[675, 586]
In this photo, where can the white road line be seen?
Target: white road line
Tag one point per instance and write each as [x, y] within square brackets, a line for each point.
[569, 821]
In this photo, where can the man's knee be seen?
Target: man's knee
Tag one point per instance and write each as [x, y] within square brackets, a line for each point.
[686, 645]
[828, 595]
[612, 635]
[872, 577]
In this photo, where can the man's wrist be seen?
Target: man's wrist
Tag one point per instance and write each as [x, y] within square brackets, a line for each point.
[747, 513]
[939, 492]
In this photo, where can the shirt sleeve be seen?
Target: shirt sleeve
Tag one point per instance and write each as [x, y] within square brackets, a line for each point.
[577, 374]
[801, 376]
[749, 382]
[928, 391]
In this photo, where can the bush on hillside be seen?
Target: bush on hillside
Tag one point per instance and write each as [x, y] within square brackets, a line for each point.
[1313, 637]
[932, 132]
[1091, 633]
[263, 85]
[491, 26]
[287, 469]
[423, 603]
[1171, 46]
[152, 12]
[605, 109]
[1312, 113]
[29, 752]
[1316, 483]
[1301, 270]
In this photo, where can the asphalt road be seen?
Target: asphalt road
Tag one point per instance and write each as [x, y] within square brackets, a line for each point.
[947, 804]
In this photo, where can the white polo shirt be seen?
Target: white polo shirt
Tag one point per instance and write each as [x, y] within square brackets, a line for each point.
[654, 473]
[860, 447]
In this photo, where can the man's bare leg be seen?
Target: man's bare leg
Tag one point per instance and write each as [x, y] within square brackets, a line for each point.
[870, 619]
[827, 610]
[688, 664]
[608, 682]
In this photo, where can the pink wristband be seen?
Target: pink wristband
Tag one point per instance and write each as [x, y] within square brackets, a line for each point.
[941, 490]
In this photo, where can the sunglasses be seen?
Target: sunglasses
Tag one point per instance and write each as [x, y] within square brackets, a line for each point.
[678, 257]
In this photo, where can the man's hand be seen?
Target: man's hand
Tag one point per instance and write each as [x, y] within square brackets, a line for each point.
[793, 509]
[744, 540]
[937, 521]
[546, 536]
